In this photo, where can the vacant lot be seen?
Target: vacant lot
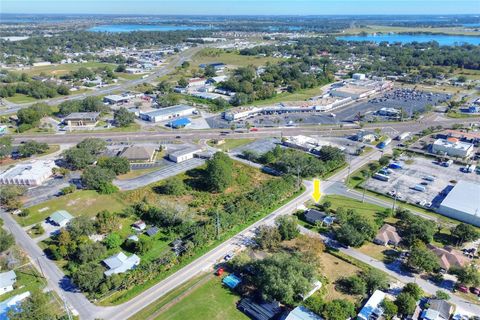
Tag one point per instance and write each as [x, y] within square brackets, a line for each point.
[333, 269]
[61, 69]
[84, 202]
[231, 144]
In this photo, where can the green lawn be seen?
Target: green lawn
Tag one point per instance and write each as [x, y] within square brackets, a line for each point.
[61, 69]
[229, 58]
[28, 279]
[231, 144]
[129, 76]
[82, 202]
[365, 209]
[300, 95]
[21, 98]
[210, 301]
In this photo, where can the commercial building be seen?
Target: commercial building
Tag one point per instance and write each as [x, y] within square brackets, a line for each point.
[28, 174]
[307, 144]
[184, 154]
[463, 203]
[7, 280]
[168, 113]
[180, 123]
[452, 147]
[120, 263]
[82, 119]
[139, 153]
[372, 309]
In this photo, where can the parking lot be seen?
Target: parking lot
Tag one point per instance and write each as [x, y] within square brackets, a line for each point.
[415, 172]
[409, 100]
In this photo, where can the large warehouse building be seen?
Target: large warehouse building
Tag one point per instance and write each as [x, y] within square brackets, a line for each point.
[463, 203]
[168, 113]
[28, 174]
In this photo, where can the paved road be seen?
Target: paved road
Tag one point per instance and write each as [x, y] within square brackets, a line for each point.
[162, 173]
[144, 136]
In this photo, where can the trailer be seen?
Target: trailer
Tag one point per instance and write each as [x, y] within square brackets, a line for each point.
[429, 178]
[403, 136]
[447, 163]
[384, 143]
[381, 177]
[419, 187]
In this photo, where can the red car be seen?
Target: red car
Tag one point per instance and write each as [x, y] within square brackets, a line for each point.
[462, 288]
[219, 272]
[254, 129]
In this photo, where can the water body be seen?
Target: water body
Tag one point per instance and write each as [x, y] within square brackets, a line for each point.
[447, 40]
[115, 28]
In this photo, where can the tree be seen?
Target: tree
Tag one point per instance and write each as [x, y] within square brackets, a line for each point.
[464, 233]
[97, 178]
[9, 196]
[107, 222]
[353, 285]
[390, 309]
[283, 277]
[174, 186]
[468, 275]
[182, 83]
[406, 304]
[88, 252]
[383, 161]
[374, 280]
[338, 310]
[421, 258]
[268, 237]
[81, 226]
[287, 227]
[94, 146]
[119, 165]
[6, 240]
[29, 148]
[113, 240]
[36, 307]
[88, 277]
[219, 172]
[69, 189]
[6, 147]
[355, 229]
[78, 159]
[185, 65]
[121, 68]
[210, 71]
[123, 117]
[442, 295]
[414, 290]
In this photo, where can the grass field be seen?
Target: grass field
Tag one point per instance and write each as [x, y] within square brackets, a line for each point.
[21, 98]
[231, 144]
[28, 279]
[209, 301]
[365, 209]
[61, 69]
[137, 173]
[387, 29]
[129, 76]
[83, 202]
[229, 58]
[296, 96]
[334, 268]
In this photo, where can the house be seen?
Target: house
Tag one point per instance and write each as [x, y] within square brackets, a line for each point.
[184, 154]
[139, 225]
[12, 303]
[259, 310]
[7, 280]
[372, 309]
[302, 313]
[152, 231]
[365, 136]
[387, 235]
[437, 310]
[137, 154]
[82, 119]
[312, 215]
[60, 218]
[133, 238]
[120, 263]
[449, 257]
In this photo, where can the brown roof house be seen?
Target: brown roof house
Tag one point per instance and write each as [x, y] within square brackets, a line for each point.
[387, 235]
[449, 257]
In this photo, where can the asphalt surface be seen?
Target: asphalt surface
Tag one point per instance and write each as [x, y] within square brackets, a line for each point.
[168, 171]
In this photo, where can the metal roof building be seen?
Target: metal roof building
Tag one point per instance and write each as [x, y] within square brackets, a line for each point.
[463, 203]
[168, 113]
[28, 174]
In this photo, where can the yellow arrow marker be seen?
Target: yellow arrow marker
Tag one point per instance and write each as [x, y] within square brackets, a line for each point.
[316, 195]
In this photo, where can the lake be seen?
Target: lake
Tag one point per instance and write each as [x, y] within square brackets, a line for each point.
[447, 40]
[142, 27]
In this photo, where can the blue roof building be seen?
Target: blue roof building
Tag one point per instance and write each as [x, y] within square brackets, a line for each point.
[231, 281]
[180, 123]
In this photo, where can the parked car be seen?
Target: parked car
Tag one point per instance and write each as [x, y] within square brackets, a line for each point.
[462, 288]
[475, 290]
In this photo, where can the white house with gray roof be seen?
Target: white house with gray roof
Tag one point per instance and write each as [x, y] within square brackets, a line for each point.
[120, 263]
[60, 218]
[7, 280]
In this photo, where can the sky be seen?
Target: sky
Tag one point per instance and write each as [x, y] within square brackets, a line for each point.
[243, 7]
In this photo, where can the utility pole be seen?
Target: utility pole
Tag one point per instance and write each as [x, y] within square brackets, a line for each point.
[217, 223]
